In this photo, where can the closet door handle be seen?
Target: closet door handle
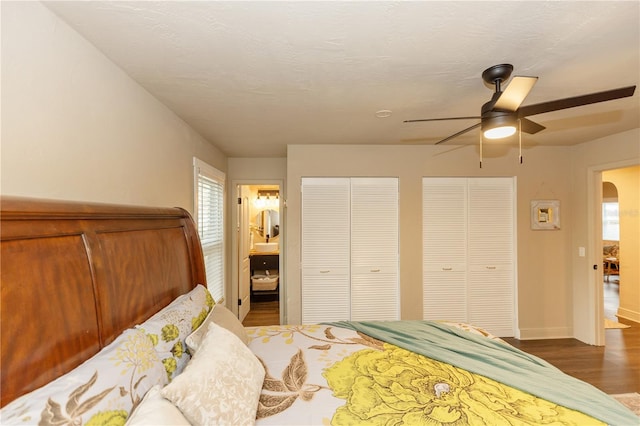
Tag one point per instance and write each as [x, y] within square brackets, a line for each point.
[490, 267]
[375, 270]
[447, 269]
[326, 271]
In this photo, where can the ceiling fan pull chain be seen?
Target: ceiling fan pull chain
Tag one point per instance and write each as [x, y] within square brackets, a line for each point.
[520, 138]
[480, 149]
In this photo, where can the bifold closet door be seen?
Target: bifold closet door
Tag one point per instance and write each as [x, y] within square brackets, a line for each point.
[374, 249]
[325, 253]
[349, 249]
[468, 252]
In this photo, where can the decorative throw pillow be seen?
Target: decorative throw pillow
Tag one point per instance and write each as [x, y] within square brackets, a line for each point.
[170, 326]
[224, 318]
[154, 410]
[102, 390]
[221, 384]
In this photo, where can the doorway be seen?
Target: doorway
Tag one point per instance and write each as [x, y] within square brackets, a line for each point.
[625, 175]
[620, 227]
[610, 248]
[258, 252]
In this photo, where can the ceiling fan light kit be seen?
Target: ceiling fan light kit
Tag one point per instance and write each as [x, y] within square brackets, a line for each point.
[503, 114]
[499, 125]
[499, 132]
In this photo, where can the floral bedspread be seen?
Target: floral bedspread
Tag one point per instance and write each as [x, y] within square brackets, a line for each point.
[320, 374]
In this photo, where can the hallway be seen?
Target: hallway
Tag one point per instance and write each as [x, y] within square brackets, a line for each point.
[263, 313]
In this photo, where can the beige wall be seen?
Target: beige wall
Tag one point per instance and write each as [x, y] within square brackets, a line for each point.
[76, 127]
[544, 280]
[554, 297]
[627, 181]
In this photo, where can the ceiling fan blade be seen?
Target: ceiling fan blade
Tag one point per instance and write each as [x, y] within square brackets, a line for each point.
[468, 129]
[514, 94]
[530, 127]
[576, 101]
[441, 119]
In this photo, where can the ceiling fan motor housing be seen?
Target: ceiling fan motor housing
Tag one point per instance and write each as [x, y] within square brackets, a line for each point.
[491, 118]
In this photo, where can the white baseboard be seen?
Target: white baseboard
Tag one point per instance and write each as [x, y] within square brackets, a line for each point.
[546, 333]
[629, 314]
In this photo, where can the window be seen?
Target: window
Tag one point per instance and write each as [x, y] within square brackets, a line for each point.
[610, 222]
[209, 208]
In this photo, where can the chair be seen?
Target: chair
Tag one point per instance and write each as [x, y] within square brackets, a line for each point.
[610, 261]
[611, 266]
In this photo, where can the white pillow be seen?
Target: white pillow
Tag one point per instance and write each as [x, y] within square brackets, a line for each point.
[221, 384]
[224, 318]
[154, 410]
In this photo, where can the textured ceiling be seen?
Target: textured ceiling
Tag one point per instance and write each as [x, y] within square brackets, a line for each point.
[252, 77]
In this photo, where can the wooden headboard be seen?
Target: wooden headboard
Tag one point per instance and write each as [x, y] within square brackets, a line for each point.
[74, 276]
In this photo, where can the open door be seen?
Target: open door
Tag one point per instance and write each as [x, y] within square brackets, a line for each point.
[244, 267]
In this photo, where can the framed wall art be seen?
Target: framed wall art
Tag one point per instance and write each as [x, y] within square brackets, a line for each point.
[545, 214]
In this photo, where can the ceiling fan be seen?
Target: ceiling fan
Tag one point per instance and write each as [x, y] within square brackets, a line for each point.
[503, 115]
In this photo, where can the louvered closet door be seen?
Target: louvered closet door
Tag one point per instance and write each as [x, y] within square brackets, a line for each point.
[325, 249]
[374, 249]
[444, 249]
[491, 254]
[468, 251]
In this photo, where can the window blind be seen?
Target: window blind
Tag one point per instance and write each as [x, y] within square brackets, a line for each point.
[209, 200]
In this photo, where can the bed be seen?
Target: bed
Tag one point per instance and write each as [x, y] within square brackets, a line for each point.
[106, 320]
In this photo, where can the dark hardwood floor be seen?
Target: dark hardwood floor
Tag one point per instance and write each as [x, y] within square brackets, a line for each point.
[614, 368]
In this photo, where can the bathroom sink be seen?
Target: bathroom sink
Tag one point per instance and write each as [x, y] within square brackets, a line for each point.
[265, 247]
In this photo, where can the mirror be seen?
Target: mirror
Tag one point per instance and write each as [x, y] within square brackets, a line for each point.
[268, 223]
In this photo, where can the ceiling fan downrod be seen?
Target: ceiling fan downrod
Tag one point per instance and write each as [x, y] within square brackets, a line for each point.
[497, 74]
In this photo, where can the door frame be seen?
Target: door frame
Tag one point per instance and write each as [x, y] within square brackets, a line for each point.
[594, 237]
[243, 238]
[234, 264]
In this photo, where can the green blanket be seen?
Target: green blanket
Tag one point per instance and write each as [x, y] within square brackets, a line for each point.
[498, 361]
